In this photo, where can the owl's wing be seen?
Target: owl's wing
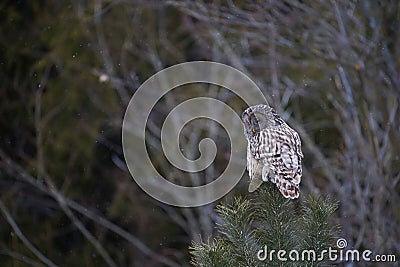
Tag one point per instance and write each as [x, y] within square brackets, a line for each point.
[289, 165]
[282, 150]
[297, 143]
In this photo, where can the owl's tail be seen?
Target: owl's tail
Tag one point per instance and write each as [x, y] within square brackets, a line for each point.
[288, 189]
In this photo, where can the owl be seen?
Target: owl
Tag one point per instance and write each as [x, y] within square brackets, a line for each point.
[273, 151]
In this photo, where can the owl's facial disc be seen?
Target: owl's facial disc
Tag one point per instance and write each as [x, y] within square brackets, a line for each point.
[265, 119]
[255, 126]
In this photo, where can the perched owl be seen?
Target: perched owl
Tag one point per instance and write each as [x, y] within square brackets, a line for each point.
[273, 151]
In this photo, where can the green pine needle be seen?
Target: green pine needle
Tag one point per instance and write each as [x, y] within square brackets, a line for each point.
[267, 219]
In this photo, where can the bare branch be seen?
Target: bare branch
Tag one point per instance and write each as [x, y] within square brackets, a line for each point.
[18, 172]
[22, 237]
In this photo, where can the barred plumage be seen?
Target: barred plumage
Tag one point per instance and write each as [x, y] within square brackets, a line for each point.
[273, 152]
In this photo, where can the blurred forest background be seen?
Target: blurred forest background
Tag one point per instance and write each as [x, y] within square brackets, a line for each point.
[69, 68]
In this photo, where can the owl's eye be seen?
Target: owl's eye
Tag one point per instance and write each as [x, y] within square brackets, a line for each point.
[253, 131]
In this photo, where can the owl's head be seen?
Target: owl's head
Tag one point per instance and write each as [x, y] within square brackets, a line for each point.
[259, 117]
